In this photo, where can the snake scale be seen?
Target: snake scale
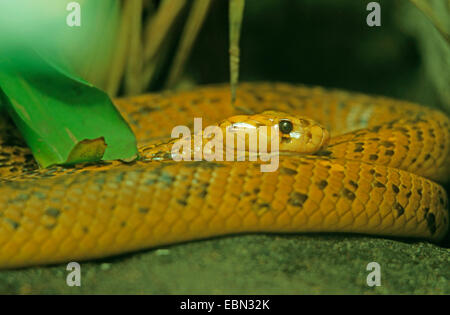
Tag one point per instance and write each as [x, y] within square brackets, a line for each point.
[377, 176]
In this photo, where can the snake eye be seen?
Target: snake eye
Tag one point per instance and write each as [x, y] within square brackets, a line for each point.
[285, 126]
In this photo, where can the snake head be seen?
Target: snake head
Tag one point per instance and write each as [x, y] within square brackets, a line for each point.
[300, 135]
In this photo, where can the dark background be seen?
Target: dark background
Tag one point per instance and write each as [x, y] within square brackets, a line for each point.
[318, 42]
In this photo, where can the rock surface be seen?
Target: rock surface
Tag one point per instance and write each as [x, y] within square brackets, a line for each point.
[253, 264]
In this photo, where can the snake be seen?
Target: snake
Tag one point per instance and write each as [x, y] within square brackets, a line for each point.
[370, 165]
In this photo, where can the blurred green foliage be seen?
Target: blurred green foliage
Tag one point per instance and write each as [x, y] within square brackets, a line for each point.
[48, 74]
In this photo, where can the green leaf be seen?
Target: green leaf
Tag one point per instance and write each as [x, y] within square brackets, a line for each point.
[236, 10]
[63, 118]
[437, 12]
[430, 25]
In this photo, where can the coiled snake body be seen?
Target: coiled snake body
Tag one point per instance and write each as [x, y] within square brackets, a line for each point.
[377, 176]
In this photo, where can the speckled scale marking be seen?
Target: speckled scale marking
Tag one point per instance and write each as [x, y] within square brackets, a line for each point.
[91, 211]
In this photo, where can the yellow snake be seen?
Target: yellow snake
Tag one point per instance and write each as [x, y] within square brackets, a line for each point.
[377, 176]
